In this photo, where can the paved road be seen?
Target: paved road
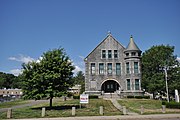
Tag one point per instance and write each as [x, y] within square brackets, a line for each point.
[122, 117]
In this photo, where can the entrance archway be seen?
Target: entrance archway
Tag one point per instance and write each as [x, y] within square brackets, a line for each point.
[110, 86]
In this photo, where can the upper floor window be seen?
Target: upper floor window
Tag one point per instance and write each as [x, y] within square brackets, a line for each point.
[118, 68]
[133, 54]
[101, 68]
[109, 68]
[135, 67]
[115, 54]
[127, 68]
[127, 54]
[103, 53]
[109, 53]
[93, 68]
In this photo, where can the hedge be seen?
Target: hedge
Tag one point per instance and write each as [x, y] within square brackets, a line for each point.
[90, 97]
[171, 104]
[139, 97]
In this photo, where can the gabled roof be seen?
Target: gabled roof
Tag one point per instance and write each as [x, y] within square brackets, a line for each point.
[132, 46]
[109, 35]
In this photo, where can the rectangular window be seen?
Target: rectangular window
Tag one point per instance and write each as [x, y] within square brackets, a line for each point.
[109, 54]
[133, 54]
[101, 68]
[118, 68]
[115, 54]
[109, 68]
[128, 84]
[136, 84]
[103, 53]
[127, 68]
[136, 67]
[93, 68]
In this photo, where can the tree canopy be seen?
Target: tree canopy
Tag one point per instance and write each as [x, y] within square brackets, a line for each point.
[79, 79]
[153, 62]
[9, 81]
[48, 78]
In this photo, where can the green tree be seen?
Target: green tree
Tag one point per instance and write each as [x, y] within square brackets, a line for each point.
[79, 79]
[51, 77]
[153, 61]
[9, 81]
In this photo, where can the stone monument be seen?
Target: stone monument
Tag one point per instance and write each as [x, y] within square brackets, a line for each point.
[176, 96]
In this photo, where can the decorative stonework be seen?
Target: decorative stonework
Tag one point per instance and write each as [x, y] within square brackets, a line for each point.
[112, 68]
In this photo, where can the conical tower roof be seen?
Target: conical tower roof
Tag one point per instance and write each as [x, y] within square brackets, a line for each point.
[132, 46]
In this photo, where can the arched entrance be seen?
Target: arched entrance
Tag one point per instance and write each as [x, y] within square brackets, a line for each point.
[110, 86]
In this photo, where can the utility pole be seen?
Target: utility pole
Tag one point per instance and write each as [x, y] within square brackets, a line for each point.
[165, 70]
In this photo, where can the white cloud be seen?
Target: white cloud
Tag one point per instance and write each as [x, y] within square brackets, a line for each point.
[22, 58]
[16, 72]
[178, 58]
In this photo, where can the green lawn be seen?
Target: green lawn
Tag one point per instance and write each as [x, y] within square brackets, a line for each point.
[63, 109]
[150, 106]
[13, 103]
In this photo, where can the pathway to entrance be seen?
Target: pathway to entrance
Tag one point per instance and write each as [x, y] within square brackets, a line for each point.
[119, 107]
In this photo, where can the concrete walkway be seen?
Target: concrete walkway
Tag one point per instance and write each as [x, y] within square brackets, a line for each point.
[119, 107]
[122, 117]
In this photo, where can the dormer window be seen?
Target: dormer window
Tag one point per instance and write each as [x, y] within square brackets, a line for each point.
[109, 53]
[103, 53]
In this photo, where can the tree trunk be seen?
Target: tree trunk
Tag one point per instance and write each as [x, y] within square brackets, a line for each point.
[50, 104]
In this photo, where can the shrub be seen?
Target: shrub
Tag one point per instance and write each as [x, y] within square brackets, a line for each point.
[93, 97]
[69, 94]
[76, 97]
[171, 104]
[130, 96]
[139, 97]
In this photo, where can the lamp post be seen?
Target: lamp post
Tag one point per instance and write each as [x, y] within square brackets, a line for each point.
[165, 71]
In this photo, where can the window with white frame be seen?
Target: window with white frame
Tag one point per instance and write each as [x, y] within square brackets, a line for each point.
[101, 68]
[93, 68]
[109, 68]
[118, 68]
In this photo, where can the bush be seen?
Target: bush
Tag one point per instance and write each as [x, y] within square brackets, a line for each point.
[69, 94]
[76, 97]
[139, 97]
[130, 96]
[171, 104]
[93, 97]
[90, 97]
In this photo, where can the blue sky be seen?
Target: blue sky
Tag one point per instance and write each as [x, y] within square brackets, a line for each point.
[30, 27]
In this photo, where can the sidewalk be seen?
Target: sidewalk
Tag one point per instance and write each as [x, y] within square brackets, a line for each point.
[122, 117]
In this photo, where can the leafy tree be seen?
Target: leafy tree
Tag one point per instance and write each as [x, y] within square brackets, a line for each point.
[51, 77]
[79, 79]
[9, 81]
[153, 61]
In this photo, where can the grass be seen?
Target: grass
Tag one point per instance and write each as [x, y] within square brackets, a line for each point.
[64, 108]
[13, 103]
[150, 106]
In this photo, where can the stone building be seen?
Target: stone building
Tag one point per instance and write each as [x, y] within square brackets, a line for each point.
[112, 68]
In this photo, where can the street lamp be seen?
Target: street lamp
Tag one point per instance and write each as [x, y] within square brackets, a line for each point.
[165, 71]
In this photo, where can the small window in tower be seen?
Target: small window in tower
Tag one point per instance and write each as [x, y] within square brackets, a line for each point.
[127, 54]
[133, 54]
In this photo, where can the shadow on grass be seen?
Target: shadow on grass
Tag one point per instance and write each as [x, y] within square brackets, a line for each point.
[63, 107]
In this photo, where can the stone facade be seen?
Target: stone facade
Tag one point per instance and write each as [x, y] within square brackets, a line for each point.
[111, 68]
